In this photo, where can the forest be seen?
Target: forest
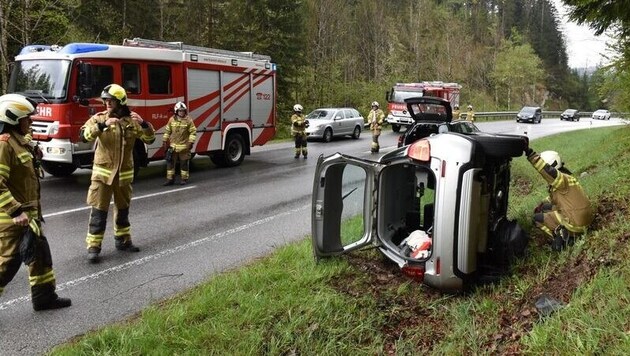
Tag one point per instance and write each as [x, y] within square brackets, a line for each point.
[504, 53]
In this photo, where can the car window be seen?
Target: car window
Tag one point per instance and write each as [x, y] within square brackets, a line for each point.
[318, 114]
[338, 115]
[464, 127]
[348, 113]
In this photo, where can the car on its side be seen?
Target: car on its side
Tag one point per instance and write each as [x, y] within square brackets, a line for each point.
[570, 114]
[326, 123]
[437, 208]
[531, 114]
[601, 114]
[431, 117]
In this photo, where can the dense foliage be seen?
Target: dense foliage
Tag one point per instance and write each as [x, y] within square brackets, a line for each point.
[343, 52]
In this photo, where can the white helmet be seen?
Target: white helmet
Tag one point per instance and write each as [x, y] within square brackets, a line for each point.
[375, 103]
[552, 158]
[180, 106]
[470, 107]
[297, 108]
[13, 107]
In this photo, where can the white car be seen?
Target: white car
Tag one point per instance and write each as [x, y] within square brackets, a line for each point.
[601, 114]
[326, 123]
[437, 208]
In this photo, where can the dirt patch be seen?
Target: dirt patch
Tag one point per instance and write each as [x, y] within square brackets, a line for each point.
[609, 207]
[521, 186]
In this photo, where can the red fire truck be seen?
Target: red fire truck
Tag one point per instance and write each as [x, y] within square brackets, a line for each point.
[230, 95]
[397, 114]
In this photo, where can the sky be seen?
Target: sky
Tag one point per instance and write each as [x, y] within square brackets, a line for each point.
[584, 49]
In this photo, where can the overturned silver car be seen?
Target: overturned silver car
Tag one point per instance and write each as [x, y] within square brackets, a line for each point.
[436, 207]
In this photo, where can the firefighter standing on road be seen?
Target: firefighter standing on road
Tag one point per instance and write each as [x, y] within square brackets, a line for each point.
[375, 118]
[115, 132]
[456, 112]
[179, 136]
[21, 237]
[567, 212]
[298, 131]
[470, 114]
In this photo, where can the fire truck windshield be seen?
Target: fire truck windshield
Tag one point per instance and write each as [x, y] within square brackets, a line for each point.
[45, 79]
[398, 96]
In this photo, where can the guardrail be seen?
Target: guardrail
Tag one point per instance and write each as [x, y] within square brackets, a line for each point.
[511, 115]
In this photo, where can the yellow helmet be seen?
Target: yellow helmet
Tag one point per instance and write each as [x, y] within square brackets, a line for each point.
[115, 91]
[13, 107]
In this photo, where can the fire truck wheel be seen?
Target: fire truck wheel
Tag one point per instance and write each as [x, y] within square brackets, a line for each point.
[233, 154]
[395, 127]
[58, 169]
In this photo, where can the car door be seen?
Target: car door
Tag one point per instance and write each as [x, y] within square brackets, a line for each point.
[337, 122]
[343, 205]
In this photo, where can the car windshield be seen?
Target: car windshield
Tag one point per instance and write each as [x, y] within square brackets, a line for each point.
[319, 114]
[528, 110]
[569, 111]
[47, 79]
[601, 111]
[398, 96]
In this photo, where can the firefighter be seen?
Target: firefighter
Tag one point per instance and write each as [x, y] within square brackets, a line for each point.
[567, 213]
[21, 236]
[375, 118]
[115, 131]
[456, 112]
[298, 131]
[179, 136]
[470, 114]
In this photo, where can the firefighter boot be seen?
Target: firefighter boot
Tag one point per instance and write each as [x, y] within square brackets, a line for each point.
[122, 245]
[93, 253]
[45, 298]
[561, 239]
[169, 182]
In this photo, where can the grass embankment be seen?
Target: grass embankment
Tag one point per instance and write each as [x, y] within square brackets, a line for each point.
[286, 304]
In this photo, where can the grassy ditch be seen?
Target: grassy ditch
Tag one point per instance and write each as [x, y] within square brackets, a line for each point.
[286, 304]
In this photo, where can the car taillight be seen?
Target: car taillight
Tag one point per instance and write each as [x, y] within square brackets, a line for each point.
[414, 272]
[420, 150]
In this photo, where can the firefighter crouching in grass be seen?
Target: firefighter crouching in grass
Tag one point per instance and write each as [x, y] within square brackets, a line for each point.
[21, 235]
[375, 118]
[179, 136]
[115, 132]
[298, 131]
[567, 212]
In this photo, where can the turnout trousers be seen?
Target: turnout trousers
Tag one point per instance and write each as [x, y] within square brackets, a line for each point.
[99, 197]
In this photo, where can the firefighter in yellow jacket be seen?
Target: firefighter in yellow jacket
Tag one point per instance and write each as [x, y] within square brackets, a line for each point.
[298, 131]
[375, 119]
[179, 136]
[115, 132]
[21, 236]
[567, 212]
[470, 114]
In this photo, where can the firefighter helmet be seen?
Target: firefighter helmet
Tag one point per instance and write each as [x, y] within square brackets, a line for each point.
[375, 103]
[297, 108]
[456, 107]
[115, 91]
[470, 107]
[552, 158]
[180, 106]
[13, 107]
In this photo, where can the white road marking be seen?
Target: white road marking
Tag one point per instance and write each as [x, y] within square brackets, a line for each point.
[158, 255]
[133, 198]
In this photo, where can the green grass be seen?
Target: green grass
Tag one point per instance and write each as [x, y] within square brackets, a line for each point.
[287, 304]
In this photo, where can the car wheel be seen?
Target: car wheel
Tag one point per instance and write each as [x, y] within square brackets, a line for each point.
[508, 242]
[328, 135]
[395, 127]
[501, 145]
[356, 133]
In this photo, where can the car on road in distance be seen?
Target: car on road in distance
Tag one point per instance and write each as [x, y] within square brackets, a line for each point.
[531, 114]
[437, 208]
[432, 116]
[570, 114]
[601, 114]
[326, 123]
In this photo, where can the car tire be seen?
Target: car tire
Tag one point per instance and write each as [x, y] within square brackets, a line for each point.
[356, 133]
[501, 145]
[328, 135]
[508, 242]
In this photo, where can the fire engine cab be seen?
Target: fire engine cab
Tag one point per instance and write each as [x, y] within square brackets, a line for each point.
[397, 114]
[230, 95]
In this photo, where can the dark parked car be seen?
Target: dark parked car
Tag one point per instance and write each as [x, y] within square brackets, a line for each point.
[431, 116]
[531, 114]
[570, 114]
[436, 207]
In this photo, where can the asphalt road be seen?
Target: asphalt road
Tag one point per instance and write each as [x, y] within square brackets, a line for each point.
[223, 219]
